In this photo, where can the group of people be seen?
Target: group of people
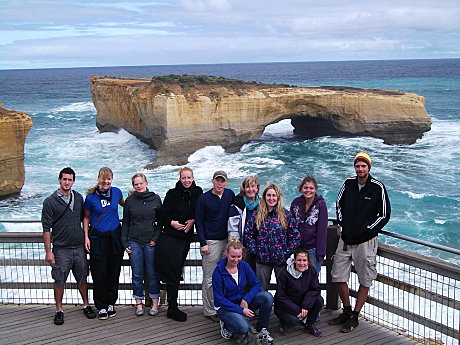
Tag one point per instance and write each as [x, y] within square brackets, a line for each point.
[243, 239]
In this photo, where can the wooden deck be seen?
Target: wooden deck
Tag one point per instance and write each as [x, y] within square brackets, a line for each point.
[33, 324]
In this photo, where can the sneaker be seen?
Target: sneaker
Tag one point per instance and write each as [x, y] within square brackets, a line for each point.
[312, 329]
[59, 318]
[350, 324]
[89, 312]
[111, 312]
[102, 314]
[265, 337]
[341, 318]
[223, 332]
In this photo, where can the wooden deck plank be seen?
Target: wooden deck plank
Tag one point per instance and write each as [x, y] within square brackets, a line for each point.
[33, 324]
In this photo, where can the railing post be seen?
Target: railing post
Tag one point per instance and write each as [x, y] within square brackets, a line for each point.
[332, 296]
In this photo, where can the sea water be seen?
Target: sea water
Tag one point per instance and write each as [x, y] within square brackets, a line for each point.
[421, 179]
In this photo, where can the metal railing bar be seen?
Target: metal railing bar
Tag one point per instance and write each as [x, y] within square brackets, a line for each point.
[416, 260]
[439, 327]
[418, 291]
[423, 243]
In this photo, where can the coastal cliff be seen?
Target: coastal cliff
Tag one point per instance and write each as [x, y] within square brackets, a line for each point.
[177, 118]
[14, 126]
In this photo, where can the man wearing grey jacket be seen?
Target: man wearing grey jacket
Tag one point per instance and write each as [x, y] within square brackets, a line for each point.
[61, 217]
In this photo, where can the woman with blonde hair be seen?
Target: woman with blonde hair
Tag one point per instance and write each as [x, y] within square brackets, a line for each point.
[240, 212]
[178, 218]
[237, 296]
[101, 224]
[139, 235]
[271, 235]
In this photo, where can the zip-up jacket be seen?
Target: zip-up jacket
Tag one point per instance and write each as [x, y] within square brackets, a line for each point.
[362, 213]
[294, 294]
[140, 218]
[272, 244]
[179, 204]
[312, 224]
[227, 293]
[67, 232]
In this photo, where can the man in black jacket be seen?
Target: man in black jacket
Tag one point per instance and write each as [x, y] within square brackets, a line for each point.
[363, 209]
[61, 216]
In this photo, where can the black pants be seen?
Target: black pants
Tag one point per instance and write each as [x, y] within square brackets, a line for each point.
[105, 271]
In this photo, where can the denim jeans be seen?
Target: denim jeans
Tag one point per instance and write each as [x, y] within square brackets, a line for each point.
[287, 319]
[312, 258]
[142, 259]
[239, 324]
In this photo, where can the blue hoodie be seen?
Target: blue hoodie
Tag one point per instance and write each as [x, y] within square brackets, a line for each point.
[227, 294]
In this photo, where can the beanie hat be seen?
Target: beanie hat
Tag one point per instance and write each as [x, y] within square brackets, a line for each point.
[363, 157]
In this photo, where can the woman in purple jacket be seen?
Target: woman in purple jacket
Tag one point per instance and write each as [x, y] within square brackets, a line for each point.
[298, 295]
[310, 213]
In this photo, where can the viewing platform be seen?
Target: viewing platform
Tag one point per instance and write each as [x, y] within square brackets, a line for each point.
[33, 324]
[415, 299]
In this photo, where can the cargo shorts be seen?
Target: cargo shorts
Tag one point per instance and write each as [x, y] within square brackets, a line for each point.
[364, 258]
[66, 260]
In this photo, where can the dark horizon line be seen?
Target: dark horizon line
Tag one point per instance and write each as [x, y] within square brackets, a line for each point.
[227, 63]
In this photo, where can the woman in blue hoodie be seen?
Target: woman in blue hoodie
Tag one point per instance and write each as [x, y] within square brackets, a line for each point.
[298, 295]
[310, 213]
[237, 296]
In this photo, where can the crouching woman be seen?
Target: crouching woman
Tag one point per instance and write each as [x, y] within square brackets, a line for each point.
[237, 295]
[298, 295]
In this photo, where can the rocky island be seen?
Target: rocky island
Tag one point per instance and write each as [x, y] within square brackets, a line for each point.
[14, 126]
[177, 115]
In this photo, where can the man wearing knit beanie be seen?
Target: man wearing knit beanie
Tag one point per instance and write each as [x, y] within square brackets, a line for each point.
[363, 209]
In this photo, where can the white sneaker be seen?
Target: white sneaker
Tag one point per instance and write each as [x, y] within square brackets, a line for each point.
[223, 332]
[265, 336]
[111, 312]
[102, 314]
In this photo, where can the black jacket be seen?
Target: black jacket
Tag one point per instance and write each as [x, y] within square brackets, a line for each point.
[362, 213]
[140, 218]
[179, 204]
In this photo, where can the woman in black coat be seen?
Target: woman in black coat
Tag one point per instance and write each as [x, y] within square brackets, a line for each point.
[178, 218]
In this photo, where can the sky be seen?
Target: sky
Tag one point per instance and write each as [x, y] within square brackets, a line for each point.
[71, 33]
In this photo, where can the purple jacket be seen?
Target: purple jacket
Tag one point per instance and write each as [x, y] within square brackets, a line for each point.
[294, 294]
[312, 225]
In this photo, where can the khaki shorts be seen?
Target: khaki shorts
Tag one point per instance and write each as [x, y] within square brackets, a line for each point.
[362, 255]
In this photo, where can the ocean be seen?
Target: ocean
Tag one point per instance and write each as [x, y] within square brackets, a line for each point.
[421, 179]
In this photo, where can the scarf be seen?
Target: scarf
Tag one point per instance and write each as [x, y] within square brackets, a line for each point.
[107, 195]
[251, 205]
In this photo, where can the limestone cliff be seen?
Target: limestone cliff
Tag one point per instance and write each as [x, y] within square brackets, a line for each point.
[177, 121]
[14, 126]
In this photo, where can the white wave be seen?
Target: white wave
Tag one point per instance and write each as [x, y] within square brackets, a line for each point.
[206, 153]
[413, 195]
[75, 107]
[22, 227]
